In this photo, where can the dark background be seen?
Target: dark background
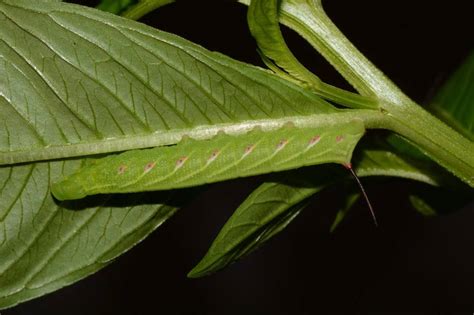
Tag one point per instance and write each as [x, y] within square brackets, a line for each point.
[408, 263]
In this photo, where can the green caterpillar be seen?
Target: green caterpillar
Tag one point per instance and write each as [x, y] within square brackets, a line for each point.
[193, 162]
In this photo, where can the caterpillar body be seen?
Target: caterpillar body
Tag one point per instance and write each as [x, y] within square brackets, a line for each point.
[194, 162]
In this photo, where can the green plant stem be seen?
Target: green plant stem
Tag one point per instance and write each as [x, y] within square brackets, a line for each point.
[308, 19]
[144, 7]
[443, 144]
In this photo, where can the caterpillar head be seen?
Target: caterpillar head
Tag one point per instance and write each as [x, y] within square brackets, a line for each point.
[67, 190]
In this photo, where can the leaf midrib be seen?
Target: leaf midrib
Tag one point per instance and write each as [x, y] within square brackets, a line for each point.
[170, 137]
[139, 141]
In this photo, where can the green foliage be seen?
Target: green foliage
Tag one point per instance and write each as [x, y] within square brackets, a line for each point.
[96, 95]
[46, 245]
[422, 207]
[431, 201]
[307, 18]
[115, 6]
[264, 25]
[265, 209]
[349, 201]
[454, 102]
[266, 212]
[77, 82]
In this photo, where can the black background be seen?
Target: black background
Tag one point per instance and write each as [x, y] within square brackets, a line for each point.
[408, 263]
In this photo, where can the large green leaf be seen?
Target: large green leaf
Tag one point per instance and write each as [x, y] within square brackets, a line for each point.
[87, 82]
[454, 102]
[45, 245]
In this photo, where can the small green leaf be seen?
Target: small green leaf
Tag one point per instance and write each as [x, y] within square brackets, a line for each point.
[115, 6]
[454, 102]
[144, 7]
[349, 201]
[264, 25]
[430, 201]
[263, 22]
[266, 212]
[403, 146]
[421, 206]
[379, 162]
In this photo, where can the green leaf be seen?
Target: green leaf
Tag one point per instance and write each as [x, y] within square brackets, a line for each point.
[77, 81]
[266, 212]
[454, 102]
[421, 206]
[401, 145]
[45, 245]
[431, 201]
[376, 159]
[308, 19]
[115, 6]
[264, 25]
[380, 162]
[144, 7]
[445, 193]
[349, 201]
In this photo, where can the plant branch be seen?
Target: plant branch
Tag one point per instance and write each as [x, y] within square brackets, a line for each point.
[443, 144]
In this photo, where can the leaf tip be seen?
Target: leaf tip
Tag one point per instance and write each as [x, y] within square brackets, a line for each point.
[198, 271]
